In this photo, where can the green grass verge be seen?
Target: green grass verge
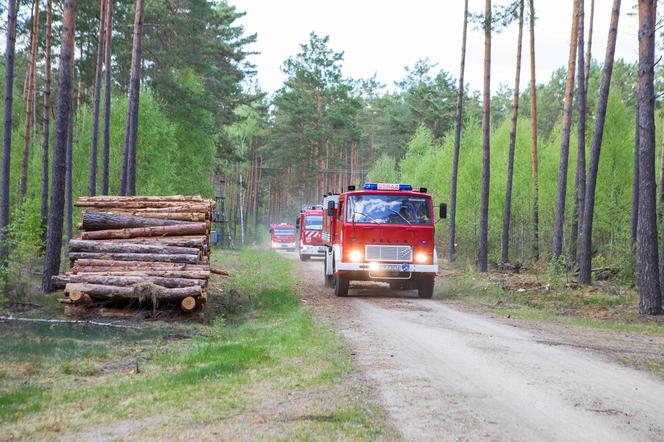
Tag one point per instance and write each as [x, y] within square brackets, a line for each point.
[56, 378]
[551, 299]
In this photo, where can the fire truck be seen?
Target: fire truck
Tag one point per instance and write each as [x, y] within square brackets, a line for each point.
[282, 236]
[309, 225]
[381, 232]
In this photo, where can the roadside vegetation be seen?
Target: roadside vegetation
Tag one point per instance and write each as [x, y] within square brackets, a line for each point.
[258, 365]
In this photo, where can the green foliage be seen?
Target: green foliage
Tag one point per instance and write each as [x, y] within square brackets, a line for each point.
[384, 170]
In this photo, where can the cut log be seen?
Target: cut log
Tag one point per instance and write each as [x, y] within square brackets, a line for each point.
[84, 199]
[141, 265]
[184, 229]
[143, 257]
[193, 206]
[111, 271]
[178, 216]
[128, 247]
[60, 281]
[147, 293]
[77, 297]
[219, 272]
[176, 241]
[105, 221]
[188, 304]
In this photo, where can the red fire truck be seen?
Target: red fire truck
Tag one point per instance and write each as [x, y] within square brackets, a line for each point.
[382, 232]
[282, 236]
[309, 225]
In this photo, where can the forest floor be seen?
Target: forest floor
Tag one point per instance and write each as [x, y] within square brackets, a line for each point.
[258, 366]
[502, 357]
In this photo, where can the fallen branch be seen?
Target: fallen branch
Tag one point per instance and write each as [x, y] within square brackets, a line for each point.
[67, 321]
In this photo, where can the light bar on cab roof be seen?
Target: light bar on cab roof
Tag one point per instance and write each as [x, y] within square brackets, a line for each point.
[387, 186]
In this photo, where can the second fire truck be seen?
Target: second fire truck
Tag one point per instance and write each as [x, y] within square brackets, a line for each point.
[381, 232]
[309, 226]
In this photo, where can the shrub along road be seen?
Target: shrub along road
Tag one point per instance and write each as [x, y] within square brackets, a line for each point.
[444, 372]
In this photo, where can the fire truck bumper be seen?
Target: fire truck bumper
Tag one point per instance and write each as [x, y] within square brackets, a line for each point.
[387, 270]
[314, 250]
[283, 245]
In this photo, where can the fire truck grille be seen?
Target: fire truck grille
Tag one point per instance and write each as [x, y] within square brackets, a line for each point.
[388, 253]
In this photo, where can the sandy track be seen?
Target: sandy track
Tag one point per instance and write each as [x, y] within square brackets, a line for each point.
[447, 374]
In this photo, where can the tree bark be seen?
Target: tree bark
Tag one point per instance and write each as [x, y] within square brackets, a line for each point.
[451, 247]
[589, 59]
[78, 245]
[131, 126]
[186, 229]
[580, 177]
[94, 145]
[177, 241]
[105, 221]
[534, 174]
[510, 160]
[109, 292]
[10, 44]
[46, 119]
[595, 149]
[561, 194]
[30, 100]
[154, 273]
[483, 263]
[69, 158]
[647, 263]
[54, 238]
[139, 265]
[146, 257]
[106, 146]
[196, 216]
[60, 281]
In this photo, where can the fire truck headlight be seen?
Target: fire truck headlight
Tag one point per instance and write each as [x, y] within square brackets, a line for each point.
[422, 258]
[355, 256]
[373, 266]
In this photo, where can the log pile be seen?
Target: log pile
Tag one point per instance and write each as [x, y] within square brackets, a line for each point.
[137, 251]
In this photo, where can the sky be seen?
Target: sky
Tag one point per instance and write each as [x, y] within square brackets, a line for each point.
[383, 36]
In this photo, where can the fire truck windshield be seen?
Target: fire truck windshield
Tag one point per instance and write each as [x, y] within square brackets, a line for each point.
[280, 231]
[388, 209]
[313, 222]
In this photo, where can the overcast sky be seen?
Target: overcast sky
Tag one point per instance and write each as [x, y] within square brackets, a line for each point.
[383, 36]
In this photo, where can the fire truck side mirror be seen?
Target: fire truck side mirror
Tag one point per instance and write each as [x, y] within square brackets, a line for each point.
[330, 208]
[443, 211]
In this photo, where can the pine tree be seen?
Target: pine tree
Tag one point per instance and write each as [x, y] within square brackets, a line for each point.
[483, 263]
[94, 145]
[46, 118]
[534, 174]
[30, 98]
[106, 146]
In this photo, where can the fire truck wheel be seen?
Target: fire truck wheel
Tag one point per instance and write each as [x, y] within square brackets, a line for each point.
[425, 288]
[341, 284]
[304, 257]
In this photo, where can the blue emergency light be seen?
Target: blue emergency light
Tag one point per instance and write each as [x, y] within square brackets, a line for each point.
[387, 186]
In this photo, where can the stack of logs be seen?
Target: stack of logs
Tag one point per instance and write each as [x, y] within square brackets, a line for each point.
[139, 251]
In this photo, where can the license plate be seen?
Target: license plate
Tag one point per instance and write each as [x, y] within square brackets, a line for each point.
[397, 267]
[284, 246]
[321, 249]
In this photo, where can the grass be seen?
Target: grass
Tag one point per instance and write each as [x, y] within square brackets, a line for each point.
[260, 352]
[551, 298]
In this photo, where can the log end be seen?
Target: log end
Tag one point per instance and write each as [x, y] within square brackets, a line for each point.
[188, 304]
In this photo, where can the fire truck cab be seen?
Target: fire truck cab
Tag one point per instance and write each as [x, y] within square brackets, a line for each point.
[282, 236]
[309, 226]
[382, 232]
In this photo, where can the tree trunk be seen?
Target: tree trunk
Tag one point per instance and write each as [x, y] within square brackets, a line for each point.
[187, 229]
[69, 191]
[63, 108]
[510, 161]
[483, 263]
[580, 177]
[559, 215]
[589, 59]
[104, 221]
[647, 263]
[10, 43]
[451, 246]
[110, 292]
[131, 129]
[146, 257]
[94, 145]
[78, 245]
[106, 147]
[30, 101]
[46, 119]
[534, 175]
[589, 206]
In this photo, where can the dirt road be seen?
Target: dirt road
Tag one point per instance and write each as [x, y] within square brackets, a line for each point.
[444, 373]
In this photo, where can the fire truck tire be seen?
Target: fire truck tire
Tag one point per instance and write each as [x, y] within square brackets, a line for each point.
[425, 287]
[341, 284]
[304, 257]
[329, 279]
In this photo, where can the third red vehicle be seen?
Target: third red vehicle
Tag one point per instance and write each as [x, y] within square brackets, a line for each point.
[282, 236]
